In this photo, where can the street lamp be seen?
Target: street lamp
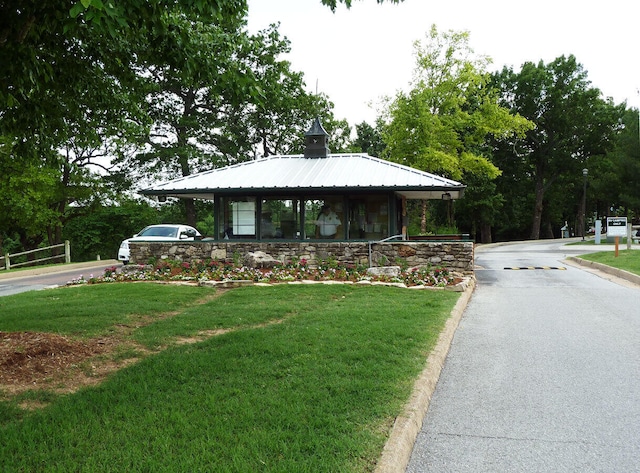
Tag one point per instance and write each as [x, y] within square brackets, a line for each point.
[585, 171]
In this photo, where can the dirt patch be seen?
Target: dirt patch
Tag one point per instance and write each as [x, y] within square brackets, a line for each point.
[47, 361]
[205, 334]
[34, 360]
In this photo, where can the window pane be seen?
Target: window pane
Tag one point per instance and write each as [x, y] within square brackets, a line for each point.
[368, 217]
[280, 219]
[239, 218]
[324, 218]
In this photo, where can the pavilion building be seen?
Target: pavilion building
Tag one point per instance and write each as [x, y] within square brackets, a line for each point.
[281, 197]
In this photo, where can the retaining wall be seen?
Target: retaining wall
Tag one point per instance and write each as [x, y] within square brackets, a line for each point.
[453, 255]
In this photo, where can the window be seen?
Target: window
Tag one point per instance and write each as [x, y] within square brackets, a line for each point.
[324, 218]
[280, 218]
[338, 217]
[239, 217]
[368, 217]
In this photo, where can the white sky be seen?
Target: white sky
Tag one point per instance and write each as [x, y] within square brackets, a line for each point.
[359, 55]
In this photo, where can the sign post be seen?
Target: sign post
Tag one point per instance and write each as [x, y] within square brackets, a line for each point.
[616, 228]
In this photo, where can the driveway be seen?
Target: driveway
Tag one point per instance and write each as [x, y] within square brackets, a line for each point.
[44, 277]
[543, 374]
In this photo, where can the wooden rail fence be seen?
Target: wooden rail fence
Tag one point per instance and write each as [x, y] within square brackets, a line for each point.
[66, 255]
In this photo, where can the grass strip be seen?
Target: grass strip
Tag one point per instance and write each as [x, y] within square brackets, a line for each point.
[316, 392]
[86, 311]
[627, 260]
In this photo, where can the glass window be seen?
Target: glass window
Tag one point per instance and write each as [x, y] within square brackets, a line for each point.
[368, 217]
[280, 218]
[324, 218]
[239, 217]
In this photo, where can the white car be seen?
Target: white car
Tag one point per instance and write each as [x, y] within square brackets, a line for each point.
[164, 232]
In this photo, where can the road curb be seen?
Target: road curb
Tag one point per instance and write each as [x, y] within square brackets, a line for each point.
[620, 273]
[397, 451]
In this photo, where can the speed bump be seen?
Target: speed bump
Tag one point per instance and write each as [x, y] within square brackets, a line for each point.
[561, 268]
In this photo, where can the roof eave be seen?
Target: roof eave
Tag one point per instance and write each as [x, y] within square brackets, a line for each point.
[410, 192]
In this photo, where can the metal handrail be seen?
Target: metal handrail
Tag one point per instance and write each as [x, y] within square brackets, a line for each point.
[371, 242]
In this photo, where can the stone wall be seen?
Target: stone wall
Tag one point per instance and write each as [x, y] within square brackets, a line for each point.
[454, 255]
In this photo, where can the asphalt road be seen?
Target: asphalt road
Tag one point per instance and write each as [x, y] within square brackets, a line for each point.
[50, 276]
[543, 374]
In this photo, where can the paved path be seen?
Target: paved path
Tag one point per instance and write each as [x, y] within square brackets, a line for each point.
[543, 374]
[43, 277]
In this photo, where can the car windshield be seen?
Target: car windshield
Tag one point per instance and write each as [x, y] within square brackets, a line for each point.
[169, 232]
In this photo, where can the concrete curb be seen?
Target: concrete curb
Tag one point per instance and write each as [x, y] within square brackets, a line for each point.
[397, 451]
[620, 273]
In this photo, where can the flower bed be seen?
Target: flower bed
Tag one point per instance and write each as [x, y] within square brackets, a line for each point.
[294, 270]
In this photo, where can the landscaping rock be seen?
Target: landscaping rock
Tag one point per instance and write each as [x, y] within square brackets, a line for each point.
[260, 259]
[387, 271]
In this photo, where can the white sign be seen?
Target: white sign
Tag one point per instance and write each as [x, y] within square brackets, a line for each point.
[616, 226]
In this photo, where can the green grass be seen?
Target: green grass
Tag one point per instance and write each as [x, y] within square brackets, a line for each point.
[88, 311]
[316, 392]
[628, 260]
[590, 240]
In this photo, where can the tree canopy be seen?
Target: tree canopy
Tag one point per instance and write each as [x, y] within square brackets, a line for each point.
[575, 126]
[86, 86]
[442, 124]
[97, 95]
[334, 3]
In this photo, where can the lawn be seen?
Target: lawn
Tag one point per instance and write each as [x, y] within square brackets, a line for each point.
[286, 378]
[628, 260]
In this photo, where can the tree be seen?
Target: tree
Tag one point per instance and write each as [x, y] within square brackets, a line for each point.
[444, 123]
[369, 139]
[574, 126]
[205, 116]
[72, 89]
[27, 194]
[65, 97]
[278, 120]
[191, 77]
[618, 174]
[35, 35]
[334, 3]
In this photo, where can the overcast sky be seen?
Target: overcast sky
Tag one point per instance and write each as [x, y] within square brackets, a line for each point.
[358, 55]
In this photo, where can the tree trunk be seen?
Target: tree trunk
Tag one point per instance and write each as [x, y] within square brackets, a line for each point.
[485, 233]
[423, 217]
[190, 210]
[537, 210]
[548, 230]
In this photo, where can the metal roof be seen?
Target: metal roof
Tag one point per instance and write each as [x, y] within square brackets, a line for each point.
[333, 173]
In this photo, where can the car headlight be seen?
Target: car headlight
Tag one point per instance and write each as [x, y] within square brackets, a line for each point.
[124, 245]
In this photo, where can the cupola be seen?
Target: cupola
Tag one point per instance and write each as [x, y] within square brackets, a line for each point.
[316, 141]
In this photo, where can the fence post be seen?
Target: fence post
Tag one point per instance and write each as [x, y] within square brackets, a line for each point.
[7, 262]
[67, 252]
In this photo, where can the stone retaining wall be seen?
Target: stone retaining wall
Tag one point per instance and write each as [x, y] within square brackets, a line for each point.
[454, 255]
